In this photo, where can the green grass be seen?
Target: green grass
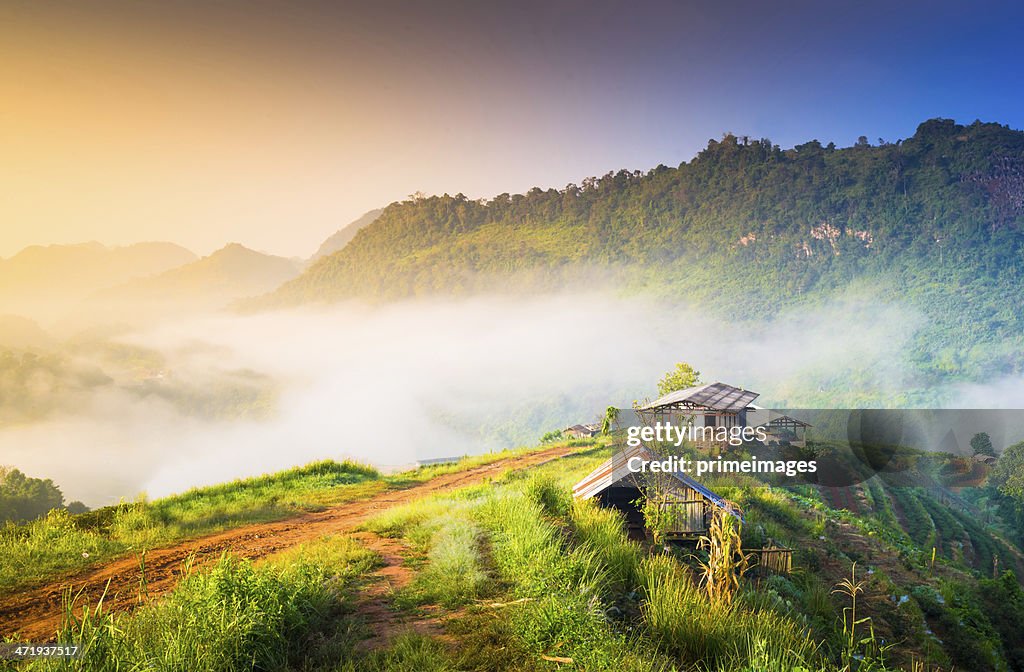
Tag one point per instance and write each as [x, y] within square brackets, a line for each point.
[521, 574]
[575, 588]
[288, 612]
[881, 506]
[567, 587]
[447, 542]
[950, 531]
[720, 636]
[410, 652]
[58, 544]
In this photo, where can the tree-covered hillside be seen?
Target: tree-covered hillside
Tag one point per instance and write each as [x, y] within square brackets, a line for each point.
[936, 220]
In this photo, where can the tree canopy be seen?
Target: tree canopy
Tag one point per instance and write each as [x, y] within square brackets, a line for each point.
[679, 378]
[23, 498]
[936, 220]
[1008, 473]
[981, 444]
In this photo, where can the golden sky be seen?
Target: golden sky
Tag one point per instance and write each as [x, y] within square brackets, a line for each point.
[204, 127]
[272, 123]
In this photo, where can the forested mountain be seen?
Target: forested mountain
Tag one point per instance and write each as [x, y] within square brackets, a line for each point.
[342, 236]
[936, 220]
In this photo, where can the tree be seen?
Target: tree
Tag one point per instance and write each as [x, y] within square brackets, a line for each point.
[76, 507]
[23, 498]
[552, 436]
[981, 444]
[611, 415]
[1008, 474]
[679, 378]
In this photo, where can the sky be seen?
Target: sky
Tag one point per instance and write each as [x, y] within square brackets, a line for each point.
[273, 124]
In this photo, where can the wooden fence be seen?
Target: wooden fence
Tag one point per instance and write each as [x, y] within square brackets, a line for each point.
[771, 560]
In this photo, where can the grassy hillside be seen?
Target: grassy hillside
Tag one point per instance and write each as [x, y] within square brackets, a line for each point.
[514, 575]
[60, 542]
[934, 221]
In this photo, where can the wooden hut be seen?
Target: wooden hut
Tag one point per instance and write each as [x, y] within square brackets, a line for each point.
[780, 429]
[709, 406]
[614, 485]
[581, 431]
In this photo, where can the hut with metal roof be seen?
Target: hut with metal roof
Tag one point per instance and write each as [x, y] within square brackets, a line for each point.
[581, 431]
[688, 503]
[779, 428]
[709, 405]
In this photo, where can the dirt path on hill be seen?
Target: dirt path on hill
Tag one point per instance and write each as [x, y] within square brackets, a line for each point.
[36, 613]
[374, 603]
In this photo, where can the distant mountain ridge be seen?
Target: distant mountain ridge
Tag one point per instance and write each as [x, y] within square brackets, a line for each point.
[231, 272]
[83, 268]
[936, 220]
[49, 283]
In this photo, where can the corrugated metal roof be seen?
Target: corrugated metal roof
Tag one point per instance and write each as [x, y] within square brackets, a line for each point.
[616, 469]
[762, 417]
[610, 472]
[716, 396]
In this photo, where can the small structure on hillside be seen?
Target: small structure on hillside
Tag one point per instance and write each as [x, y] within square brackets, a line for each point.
[581, 431]
[710, 406]
[770, 560]
[430, 461]
[780, 429]
[687, 502]
[985, 459]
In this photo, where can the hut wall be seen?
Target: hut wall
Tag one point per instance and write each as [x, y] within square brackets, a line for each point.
[689, 511]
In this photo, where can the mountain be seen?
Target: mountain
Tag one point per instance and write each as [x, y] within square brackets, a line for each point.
[80, 269]
[934, 222]
[346, 233]
[230, 273]
[48, 283]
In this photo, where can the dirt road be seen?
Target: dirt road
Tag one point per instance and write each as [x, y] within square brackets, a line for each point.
[35, 614]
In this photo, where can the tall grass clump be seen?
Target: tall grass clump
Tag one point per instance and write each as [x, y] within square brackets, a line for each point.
[560, 612]
[236, 616]
[526, 549]
[602, 531]
[717, 634]
[454, 574]
[553, 499]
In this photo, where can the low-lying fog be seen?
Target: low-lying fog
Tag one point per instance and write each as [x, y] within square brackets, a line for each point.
[392, 384]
